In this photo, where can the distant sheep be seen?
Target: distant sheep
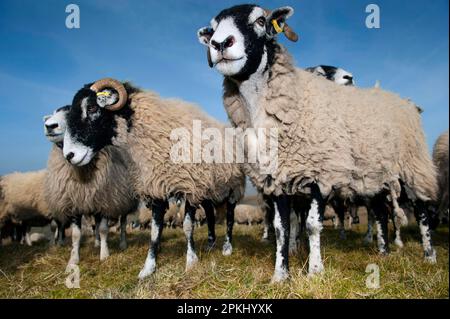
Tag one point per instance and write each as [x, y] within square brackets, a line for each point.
[334, 74]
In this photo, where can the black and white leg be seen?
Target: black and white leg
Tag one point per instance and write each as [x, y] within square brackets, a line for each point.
[188, 227]
[76, 239]
[281, 223]
[381, 223]
[340, 208]
[268, 218]
[314, 225]
[123, 232]
[103, 231]
[368, 238]
[97, 220]
[422, 217]
[211, 220]
[397, 236]
[294, 231]
[227, 247]
[159, 208]
[27, 234]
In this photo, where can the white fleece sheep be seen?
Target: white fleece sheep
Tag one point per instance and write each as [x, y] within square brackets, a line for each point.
[108, 112]
[102, 189]
[334, 141]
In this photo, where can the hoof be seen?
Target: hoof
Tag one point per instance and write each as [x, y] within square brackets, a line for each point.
[399, 243]
[104, 256]
[315, 270]
[342, 236]
[210, 246]
[368, 240]
[191, 261]
[227, 249]
[123, 246]
[97, 243]
[430, 257]
[279, 276]
[148, 269]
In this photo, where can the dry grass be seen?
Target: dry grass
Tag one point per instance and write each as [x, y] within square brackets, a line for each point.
[38, 272]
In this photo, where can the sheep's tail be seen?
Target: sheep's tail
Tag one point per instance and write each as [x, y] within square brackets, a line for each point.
[400, 218]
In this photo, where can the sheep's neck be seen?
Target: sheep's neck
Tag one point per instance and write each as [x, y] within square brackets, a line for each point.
[251, 91]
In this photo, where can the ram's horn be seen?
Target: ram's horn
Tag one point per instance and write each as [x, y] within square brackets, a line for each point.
[112, 84]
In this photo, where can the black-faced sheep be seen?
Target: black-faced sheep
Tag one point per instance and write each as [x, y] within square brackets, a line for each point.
[334, 141]
[102, 188]
[148, 127]
[334, 74]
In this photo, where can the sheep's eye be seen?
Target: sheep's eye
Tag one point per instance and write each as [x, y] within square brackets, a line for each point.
[261, 21]
[92, 108]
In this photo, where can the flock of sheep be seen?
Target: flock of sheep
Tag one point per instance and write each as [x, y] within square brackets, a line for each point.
[339, 146]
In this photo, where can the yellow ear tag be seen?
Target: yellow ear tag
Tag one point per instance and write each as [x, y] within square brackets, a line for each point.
[276, 26]
[103, 93]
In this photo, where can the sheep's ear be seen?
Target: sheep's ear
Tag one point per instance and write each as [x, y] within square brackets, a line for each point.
[204, 35]
[107, 98]
[276, 23]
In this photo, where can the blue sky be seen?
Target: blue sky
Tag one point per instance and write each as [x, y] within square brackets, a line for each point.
[154, 44]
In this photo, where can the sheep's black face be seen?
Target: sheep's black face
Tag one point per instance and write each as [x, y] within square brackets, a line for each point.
[240, 39]
[332, 73]
[90, 125]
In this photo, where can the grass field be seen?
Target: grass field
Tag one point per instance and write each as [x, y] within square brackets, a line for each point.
[39, 271]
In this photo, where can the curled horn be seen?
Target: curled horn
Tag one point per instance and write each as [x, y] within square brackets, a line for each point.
[113, 84]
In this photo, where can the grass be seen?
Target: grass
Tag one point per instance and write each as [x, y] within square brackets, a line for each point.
[39, 271]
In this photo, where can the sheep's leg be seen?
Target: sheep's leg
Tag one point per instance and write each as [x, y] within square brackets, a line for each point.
[27, 230]
[159, 208]
[268, 218]
[397, 238]
[381, 222]
[61, 233]
[281, 223]
[123, 232]
[314, 225]
[422, 218]
[97, 219]
[188, 227]
[227, 247]
[103, 230]
[293, 233]
[54, 231]
[211, 220]
[368, 238]
[354, 214]
[76, 238]
[339, 208]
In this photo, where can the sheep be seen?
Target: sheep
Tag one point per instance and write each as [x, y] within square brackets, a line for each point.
[102, 188]
[248, 214]
[334, 74]
[22, 201]
[151, 130]
[440, 159]
[334, 141]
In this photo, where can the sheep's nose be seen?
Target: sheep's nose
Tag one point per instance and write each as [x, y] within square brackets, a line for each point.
[227, 43]
[69, 156]
[51, 126]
